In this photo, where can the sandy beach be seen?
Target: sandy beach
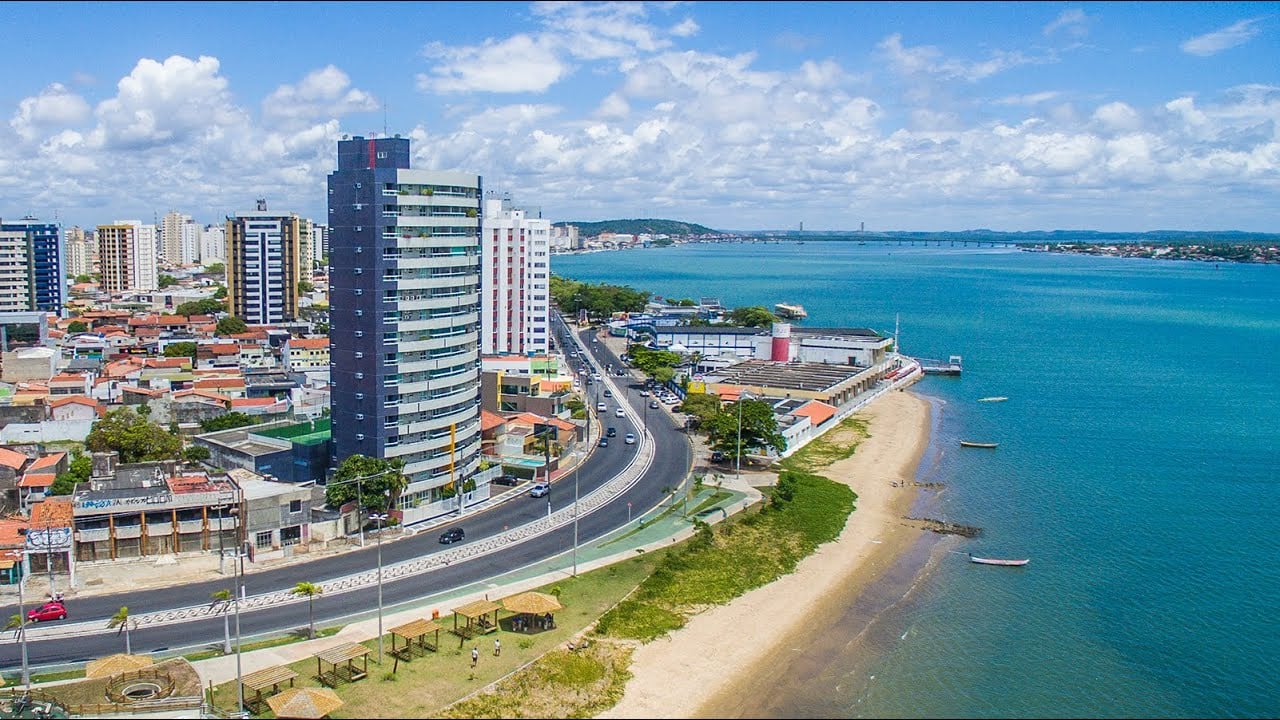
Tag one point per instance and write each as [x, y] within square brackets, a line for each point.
[693, 672]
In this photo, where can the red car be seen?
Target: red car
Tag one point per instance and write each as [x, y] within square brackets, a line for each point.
[48, 611]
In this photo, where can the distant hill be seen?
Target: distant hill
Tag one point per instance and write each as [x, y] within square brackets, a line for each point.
[651, 226]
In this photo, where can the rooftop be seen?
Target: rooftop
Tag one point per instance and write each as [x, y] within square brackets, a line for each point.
[786, 376]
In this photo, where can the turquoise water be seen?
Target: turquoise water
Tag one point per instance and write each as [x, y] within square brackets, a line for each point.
[1137, 467]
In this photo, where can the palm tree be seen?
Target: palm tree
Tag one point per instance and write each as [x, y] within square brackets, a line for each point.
[121, 620]
[14, 624]
[309, 591]
[223, 598]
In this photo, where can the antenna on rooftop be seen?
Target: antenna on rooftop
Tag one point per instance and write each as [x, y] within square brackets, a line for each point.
[384, 119]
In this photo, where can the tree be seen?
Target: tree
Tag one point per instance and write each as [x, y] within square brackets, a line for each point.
[309, 591]
[207, 306]
[181, 349]
[77, 326]
[215, 269]
[378, 493]
[195, 454]
[650, 361]
[305, 286]
[83, 279]
[231, 326]
[687, 302]
[80, 470]
[15, 624]
[135, 438]
[220, 293]
[227, 421]
[759, 428]
[322, 328]
[166, 280]
[120, 622]
[703, 406]
[752, 316]
[222, 601]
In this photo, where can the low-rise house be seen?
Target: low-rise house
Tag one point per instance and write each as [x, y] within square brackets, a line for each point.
[302, 354]
[74, 407]
[277, 516]
[39, 476]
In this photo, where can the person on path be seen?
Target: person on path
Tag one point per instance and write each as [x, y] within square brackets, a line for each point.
[475, 656]
[497, 647]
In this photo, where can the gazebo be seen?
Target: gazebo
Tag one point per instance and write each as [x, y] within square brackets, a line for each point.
[478, 622]
[341, 659]
[414, 634]
[534, 610]
[260, 680]
[304, 702]
[116, 664]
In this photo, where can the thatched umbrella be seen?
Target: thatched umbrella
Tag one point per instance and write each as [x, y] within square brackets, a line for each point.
[532, 603]
[304, 702]
[116, 664]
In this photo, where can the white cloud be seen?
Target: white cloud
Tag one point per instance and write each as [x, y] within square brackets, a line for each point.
[613, 106]
[323, 92]
[929, 60]
[55, 106]
[1224, 39]
[1072, 21]
[1117, 116]
[521, 63]
[1029, 99]
[167, 102]
[685, 28]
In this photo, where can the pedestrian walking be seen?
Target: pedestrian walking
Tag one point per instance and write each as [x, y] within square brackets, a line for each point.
[497, 647]
[475, 656]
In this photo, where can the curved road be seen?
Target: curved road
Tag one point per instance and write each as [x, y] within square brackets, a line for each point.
[672, 461]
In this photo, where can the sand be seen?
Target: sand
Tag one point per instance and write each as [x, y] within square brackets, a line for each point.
[690, 673]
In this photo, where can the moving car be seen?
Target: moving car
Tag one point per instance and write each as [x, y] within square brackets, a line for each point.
[604, 442]
[47, 611]
[608, 393]
[601, 407]
[630, 439]
[611, 432]
[539, 490]
[653, 404]
[618, 412]
[452, 535]
[644, 393]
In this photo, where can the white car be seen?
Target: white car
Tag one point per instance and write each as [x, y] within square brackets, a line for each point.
[601, 407]
[630, 439]
[618, 413]
[644, 393]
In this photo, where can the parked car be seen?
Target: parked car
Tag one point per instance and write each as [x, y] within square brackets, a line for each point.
[47, 611]
[539, 490]
[717, 456]
[617, 412]
[506, 480]
[611, 432]
[604, 442]
[630, 439]
[452, 535]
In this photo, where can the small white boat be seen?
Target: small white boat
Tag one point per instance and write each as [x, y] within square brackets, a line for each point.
[996, 398]
[998, 561]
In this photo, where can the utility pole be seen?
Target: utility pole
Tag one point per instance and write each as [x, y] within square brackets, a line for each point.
[575, 520]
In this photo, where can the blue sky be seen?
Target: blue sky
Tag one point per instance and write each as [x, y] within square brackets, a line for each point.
[913, 116]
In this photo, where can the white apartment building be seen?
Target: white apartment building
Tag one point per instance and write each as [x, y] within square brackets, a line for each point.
[213, 244]
[127, 256]
[179, 239]
[515, 259]
[15, 277]
[80, 252]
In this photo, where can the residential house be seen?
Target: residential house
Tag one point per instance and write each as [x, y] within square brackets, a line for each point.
[302, 354]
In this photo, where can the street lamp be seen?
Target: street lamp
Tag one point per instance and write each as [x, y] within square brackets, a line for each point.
[380, 518]
[18, 555]
[241, 552]
[575, 520]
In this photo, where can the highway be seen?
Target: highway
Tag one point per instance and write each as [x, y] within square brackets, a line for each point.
[671, 464]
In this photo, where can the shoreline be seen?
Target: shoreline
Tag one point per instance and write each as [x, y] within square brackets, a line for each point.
[698, 670]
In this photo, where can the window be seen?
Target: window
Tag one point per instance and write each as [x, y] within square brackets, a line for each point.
[262, 540]
[291, 535]
[295, 506]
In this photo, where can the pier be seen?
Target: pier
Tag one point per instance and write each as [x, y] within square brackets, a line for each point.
[952, 366]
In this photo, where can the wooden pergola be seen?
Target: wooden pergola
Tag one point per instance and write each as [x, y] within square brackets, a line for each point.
[414, 634]
[341, 659]
[260, 680]
[478, 622]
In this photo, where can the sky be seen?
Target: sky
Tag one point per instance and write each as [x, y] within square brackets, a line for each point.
[738, 116]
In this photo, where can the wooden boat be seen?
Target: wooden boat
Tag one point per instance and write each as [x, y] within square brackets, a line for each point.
[970, 443]
[996, 561]
[998, 398]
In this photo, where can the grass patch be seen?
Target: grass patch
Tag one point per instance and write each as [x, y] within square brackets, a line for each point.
[426, 686]
[260, 644]
[714, 499]
[46, 677]
[743, 553]
[833, 446]
[560, 684]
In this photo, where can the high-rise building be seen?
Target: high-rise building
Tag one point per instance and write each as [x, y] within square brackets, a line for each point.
[213, 244]
[80, 252]
[514, 257]
[127, 256]
[320, 245]
[42, 251]
[179, 238]
[262, 265]
[404, 302]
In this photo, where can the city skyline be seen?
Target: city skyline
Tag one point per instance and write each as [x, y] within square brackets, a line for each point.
[1123, 117]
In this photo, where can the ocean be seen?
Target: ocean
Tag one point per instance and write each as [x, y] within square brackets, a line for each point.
[1138, 467]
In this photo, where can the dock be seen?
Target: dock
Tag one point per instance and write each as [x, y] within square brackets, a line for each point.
[952, 366]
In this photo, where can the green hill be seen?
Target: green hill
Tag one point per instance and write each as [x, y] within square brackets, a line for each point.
[640, 226]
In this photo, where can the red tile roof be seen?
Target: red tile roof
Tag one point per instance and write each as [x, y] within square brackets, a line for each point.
[35, 480]
[489, 420]
[308, 343]
[817, 412]
[46, 463]
[75, 400]
[53, 512]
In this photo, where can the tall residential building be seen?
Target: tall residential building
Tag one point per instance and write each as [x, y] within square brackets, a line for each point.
[42, 250]
[179, 238]
[127, 256]
[514, 256]
[262, 265]
[213, 244]
[320, 245]
[80, 252]
[404, 306]
[306, 247]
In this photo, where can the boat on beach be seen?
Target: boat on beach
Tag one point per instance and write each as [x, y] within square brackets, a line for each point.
[970, 443]
[997, 561]
[995, 398]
